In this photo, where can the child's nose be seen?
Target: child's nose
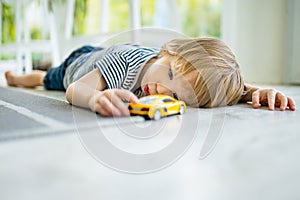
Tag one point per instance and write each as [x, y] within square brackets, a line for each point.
[162, 89]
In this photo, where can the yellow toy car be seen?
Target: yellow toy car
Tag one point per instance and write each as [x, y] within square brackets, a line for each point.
[157, 106]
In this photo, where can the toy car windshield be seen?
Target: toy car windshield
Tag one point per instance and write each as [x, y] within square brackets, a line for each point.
[147, 100]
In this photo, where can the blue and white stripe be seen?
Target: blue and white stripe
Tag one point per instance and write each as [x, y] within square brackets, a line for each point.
[121, 65]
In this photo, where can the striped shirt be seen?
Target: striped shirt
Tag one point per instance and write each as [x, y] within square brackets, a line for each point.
[119, 65]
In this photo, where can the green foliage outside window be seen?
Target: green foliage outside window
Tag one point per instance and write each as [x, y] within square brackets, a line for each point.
[79, 17]
[8, 28]
[202, 17]
[198, 17]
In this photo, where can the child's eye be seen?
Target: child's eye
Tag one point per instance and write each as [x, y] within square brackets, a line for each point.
[170, 73]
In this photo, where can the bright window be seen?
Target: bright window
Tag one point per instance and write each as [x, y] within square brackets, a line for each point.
[195, 17]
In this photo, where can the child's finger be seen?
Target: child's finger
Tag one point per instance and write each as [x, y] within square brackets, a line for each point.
[255, 99]
[271, 99]
[106, 108]
[119, 105]
[102, 111]
[283, 101]
[126, 94]
[134, 99]
[291, 103]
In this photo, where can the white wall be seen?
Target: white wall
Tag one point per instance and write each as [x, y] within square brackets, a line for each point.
[255, 31]
[292, 52]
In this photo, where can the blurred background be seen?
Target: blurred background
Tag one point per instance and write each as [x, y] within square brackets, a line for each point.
[38, 34]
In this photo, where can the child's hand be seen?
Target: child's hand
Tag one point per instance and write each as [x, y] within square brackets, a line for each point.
[109, 102]
[272, 98]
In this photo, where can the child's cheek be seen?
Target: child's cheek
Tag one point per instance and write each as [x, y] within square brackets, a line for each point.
[152, 88]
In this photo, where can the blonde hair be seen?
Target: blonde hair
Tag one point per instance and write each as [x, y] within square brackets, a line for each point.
[210, 68]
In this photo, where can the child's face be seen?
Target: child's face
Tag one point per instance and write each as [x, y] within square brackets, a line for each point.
[160, 79]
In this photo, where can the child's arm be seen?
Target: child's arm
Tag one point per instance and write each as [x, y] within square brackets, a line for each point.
[270, 97]
[89, 92]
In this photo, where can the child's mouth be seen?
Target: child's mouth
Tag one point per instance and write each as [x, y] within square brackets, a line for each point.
[146, 90]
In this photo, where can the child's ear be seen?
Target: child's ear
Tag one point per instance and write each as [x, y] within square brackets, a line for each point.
[162, 53]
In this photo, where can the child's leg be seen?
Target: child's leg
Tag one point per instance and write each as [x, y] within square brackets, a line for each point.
[35, 78]
[53, 79]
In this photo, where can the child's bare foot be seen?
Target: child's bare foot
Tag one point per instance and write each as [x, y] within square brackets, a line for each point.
[10, 78]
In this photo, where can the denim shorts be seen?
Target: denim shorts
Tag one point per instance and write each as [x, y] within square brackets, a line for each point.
[55, 76]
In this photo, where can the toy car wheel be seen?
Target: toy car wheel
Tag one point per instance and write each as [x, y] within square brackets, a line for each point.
[181, 110]
[157, 115]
